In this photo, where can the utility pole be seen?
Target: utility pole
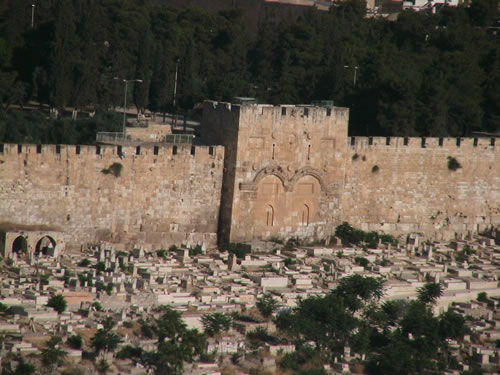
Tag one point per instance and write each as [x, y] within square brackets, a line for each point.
[125, 101]
[355, 73]
[32, 15]
[175, 92]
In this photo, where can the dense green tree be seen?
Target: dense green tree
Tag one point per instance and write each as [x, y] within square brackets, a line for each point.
[52, 355]
[176, 343]
[215, 323]
[58, 303]
[421, 75]
[430, 293]
[22, 368]
[105, 340]
[267, 305]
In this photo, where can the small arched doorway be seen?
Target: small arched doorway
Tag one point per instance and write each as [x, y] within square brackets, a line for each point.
[45, 246]
[305, 215]
[269, 216]
[20, 247]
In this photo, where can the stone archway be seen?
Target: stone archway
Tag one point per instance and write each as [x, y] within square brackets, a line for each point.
[20, 247]
[45, 246]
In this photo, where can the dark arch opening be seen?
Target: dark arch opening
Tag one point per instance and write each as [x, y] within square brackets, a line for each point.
[269, 216]
[305, 215]
[20, 246]
[43, 245]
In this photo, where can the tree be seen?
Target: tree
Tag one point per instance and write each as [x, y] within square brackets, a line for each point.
[482, 297]
[102, 366]
[176, 343]
[267, 305]
[430, 293]
[53, 356]
[452, 325]
[58, 303]
[23, 368]
[359, 290]
[215, 323]
[105, 341]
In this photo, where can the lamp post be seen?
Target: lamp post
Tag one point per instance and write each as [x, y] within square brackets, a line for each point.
[175, 91]
[32, 15]
[355, 73]
[125, 100]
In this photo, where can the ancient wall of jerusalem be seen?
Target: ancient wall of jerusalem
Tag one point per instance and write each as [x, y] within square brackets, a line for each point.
[402, 185]
[280, 171]
[292, 171]
[162, 196]
[284, 168]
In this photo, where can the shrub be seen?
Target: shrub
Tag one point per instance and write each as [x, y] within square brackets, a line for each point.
[97, 306]
[355, 156]
[375, 169]
[100, 266]
[482, 297]
[162, 253]
[388, 239]
[84, 263]
[115, 169]
[75, 341]
[362, 261]
[195, 251]
[58, 303]
[238, 249]
[453, 164]
[129, 351]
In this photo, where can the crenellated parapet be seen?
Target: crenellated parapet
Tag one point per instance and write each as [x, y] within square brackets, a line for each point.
[195, 152]
[425, 143]
[149, 195]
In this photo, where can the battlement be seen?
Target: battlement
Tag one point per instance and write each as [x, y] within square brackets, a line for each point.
[268, 110]
[102, 151]
[415, 143]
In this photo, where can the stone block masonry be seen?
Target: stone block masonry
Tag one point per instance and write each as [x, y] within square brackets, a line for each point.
[401, 185]
[163, 195]
[284, 168]
[292, 171]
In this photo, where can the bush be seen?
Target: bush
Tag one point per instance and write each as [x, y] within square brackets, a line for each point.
[100, 266]
[97, 306]
[238, 249]
[195, 251]
[115, 169]
[58, 303]
[351, 236]
[162, 253]
[362, 261]
[375, 169]
[453, 164]
[84, 263]
[355, 156]
[75, 341]
[129, 351]
[388, 239]
[482, 297]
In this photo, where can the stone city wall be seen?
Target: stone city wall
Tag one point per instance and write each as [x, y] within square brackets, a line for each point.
[285, 168]
[164, 195]
[401, 185]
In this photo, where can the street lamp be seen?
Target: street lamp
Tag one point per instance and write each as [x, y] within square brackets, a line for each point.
[355, 73]
[32, 15]
[175, 91]
[125, 99]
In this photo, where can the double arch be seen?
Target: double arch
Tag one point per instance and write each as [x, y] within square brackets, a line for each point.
[288, 183]
[30, 243]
